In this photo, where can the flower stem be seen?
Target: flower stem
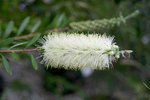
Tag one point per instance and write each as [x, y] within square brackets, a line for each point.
[135, 13]
[23, 50]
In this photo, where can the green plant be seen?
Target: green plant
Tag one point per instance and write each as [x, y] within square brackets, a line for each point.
[110, 51]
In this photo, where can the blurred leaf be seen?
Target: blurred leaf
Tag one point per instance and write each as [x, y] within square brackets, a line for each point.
[6, 42]
[37, 24]
[23, 25]
[15, 56]
[6, 64]
[9, 29]
[18, 85]
[18, 44]
[34, 63]
[60, 19]
[34, 39]
[57, 22]
[0, 30]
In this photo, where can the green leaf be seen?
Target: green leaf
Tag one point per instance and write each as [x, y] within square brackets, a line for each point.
[6, 42]
[0, 30]
[18, 44]
[34, 39]
[58, 21]
[34, 63]
[15, 56]
[37, 24]
[9, 29]
[23, 25]
[6, 64]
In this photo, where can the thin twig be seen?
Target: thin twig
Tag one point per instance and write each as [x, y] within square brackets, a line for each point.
[33, 34]
[136, 65]
[146, 85]
[24, 36]
[135, 13]
[23, 50]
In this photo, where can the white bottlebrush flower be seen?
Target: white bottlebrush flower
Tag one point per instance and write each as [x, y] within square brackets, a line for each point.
[78, 51]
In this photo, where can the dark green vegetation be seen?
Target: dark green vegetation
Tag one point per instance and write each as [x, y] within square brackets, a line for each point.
[128, 79]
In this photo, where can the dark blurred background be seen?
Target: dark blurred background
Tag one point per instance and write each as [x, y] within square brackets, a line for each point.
[128, 79]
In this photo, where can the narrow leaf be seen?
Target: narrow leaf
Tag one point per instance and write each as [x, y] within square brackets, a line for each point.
[37, 24]
[34, 39]
[6, 64]
[34, 63]
[18, 44]
[9, 29]
[60, 19]
[57, 20]
[6, 42]
[0, 30]
[23, 25]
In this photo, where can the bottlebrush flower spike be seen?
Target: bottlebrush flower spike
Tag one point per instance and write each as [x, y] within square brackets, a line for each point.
[77, 51]
[93, 25]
